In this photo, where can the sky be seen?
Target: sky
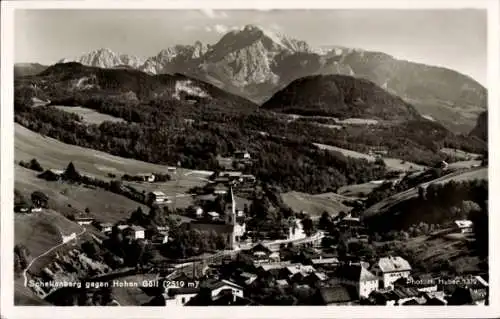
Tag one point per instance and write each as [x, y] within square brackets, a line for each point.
[452, 38]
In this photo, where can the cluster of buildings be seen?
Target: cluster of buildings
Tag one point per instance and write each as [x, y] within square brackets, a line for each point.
[388, 282]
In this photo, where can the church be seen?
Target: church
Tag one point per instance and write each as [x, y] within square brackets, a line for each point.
[232, 226]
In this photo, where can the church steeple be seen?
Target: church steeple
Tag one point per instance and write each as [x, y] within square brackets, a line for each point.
[230, 209]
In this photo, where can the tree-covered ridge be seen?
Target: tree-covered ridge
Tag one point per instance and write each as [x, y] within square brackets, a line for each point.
[167, 129]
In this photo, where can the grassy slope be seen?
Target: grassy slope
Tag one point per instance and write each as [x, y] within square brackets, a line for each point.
[315, 205]
[103, 205]
[52, 153]
[384, 205]
[41, 231]
[433, 250]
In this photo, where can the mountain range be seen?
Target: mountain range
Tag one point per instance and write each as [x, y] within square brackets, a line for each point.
[256, 63]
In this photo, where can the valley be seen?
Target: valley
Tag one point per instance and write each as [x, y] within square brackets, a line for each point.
[257, 170]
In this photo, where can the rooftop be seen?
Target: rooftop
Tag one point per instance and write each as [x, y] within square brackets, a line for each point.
[158, 193]
[464, 223]
[338, 294]
[393, 264]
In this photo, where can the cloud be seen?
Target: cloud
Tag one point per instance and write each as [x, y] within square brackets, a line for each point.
[213, 14]
[219, 28]
[208, 29]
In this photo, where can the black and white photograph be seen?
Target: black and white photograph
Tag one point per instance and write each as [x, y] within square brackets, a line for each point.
[196, 157]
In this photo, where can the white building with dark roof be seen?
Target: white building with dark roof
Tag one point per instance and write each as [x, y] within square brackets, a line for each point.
[389, 269]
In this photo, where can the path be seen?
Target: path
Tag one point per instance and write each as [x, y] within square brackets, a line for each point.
[25, 271]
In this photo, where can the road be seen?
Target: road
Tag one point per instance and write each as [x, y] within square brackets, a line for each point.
[25, 271]
[413, 192]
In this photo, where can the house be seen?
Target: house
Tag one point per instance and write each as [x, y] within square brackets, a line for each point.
[389, 269]
[358, 277]
[338, 295]
[248, 178]
[247, 278]
[213, 215]
[147, 177]
[397, 296]
[325, 262]
[468, 296]
[464, 226]
[231, 175]
[158, 197]
[136, 232]
[315, 278]
[171, 169]
[22, 208]
[241, 154]
[52, 174]
[294, 269]
[84, 220]
[179, 296]
[215, 288]
[104, 227]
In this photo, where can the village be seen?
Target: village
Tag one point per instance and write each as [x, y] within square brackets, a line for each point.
[298, 265]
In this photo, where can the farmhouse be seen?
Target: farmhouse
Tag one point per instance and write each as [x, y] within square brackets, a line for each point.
[148, 177]
[232, 175]
[157, 197]
[216, 288]
[52, 174]
[464, 226]
[389, 269]
[179, 296]
[137, 232]
[241, 154]
[104, 227]
[84, 220]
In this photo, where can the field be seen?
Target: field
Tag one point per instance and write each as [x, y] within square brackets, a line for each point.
[315, 205]
[88, 115]
[393, 164]
[357, 190]
[465, 156]
[70, 199]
